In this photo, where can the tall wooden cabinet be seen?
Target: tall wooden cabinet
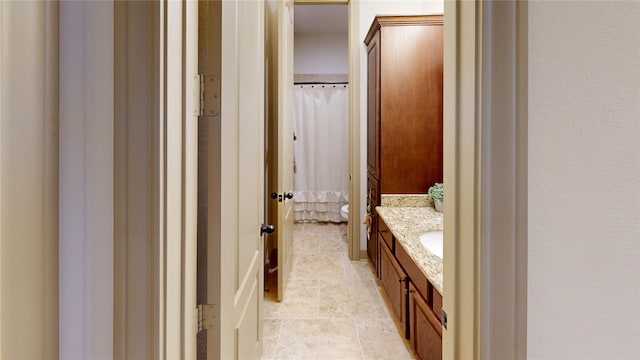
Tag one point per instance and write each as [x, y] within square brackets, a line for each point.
[404, 109]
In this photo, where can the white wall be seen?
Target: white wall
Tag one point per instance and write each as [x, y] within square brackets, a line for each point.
[584, 180]
[368, 9]
[321, 53]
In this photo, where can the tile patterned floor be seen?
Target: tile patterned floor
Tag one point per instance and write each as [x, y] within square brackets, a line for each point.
[333, 308]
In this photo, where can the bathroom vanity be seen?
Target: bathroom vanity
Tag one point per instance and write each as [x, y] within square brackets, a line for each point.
[411, 275]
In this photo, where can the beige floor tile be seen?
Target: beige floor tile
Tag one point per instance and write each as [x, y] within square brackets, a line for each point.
[323, 227]
[270, 340]
[298, 226]
[318, 339]
[300, 301]
[332, 244]
[334, 308]
[380, 339]
[318, 266]
[362, 270]
[349, 299]
[306, 243]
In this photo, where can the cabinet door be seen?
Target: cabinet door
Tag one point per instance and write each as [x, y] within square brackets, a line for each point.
[393, 280]
[373, 107]
[372, 236]
[411, 103]
[426, 331]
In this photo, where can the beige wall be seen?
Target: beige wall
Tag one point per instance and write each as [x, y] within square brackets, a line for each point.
[584, 180]
[28, 180]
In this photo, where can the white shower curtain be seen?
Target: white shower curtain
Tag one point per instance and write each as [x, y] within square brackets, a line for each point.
[321, 170]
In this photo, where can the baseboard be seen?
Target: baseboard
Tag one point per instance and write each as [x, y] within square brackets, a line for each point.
[364, 255]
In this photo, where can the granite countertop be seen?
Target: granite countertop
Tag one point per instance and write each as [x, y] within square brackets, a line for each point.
[407, 224]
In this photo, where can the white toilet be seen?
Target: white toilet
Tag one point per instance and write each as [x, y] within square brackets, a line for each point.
[344, 212]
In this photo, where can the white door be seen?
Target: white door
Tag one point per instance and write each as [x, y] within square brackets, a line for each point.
[242, 179]
[285, 143]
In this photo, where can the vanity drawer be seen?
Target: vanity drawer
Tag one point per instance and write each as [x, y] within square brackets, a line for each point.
[386, 235]
[417, 277]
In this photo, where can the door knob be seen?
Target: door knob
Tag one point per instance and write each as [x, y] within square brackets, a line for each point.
[269, 229]
[281, 197]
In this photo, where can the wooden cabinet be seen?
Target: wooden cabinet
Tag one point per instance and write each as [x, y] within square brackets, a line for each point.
[394, 283]
[425, 328]
[404, 110]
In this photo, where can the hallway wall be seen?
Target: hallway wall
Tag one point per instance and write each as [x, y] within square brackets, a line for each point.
[584, 180]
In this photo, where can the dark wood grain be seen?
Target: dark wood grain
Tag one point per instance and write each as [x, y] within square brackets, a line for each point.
[393, 280]
[426, 332]
[373, 199]
[436, 303]
[407, 107]
[386, 235]
[373, 107]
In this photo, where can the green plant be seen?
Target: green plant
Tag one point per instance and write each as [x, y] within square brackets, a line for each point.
[436, 192]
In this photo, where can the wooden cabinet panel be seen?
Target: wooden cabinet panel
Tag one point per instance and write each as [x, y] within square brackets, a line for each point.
[373, 107]
[404, 113]
[436, 303]
[384, 234]
[426, 331]
[394, 282]
[411, 108]
[373, 194]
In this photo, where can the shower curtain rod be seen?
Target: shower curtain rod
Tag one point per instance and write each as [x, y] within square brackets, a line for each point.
[320, 83]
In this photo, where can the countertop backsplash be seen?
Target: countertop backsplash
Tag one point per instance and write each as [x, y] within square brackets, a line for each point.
[405, 200]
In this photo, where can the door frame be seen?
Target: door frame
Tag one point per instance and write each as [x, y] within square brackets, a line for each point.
[485, 169]
[284, 171]
[29, 180]
[485, 117]
[354, 228]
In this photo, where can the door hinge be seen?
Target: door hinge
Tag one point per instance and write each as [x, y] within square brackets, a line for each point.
[209, 95]
[207, 316]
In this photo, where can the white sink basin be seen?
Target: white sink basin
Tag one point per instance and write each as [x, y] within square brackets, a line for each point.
[432, 240]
